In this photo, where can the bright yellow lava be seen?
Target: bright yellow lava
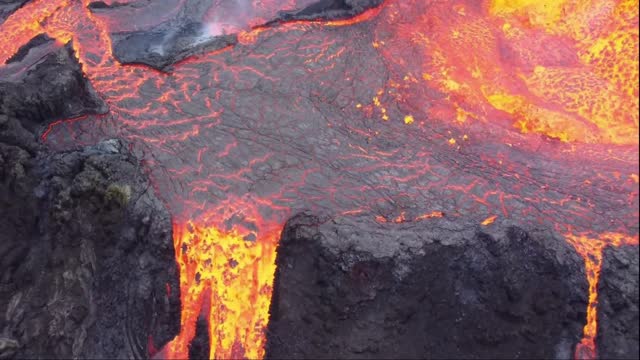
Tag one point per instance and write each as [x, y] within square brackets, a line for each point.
[596, 98]
[591, 249]
[567, 69]
[228, 280]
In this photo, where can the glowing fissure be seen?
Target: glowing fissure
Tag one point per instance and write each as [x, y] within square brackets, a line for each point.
[565, 69]
[591, 250]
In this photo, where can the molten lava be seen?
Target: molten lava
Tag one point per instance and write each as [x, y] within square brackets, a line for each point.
[474, 96]
[591, 251]
[565, 69]
[237, 275]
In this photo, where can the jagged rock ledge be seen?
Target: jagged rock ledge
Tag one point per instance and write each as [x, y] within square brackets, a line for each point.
[618, 304]
[8, 7]
[328, 10]
[346, 288]
[44, 82]
[87, 266]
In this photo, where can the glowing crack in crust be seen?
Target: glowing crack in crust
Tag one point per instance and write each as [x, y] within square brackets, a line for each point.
[459, 110]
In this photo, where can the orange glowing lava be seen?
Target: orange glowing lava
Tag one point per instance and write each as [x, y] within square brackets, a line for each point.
[223, 276]
[237, 276]
[591, 249]
[26, 23]
[566, 69]
[490, 220]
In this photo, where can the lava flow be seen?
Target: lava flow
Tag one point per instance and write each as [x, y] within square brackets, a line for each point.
[566, 69]
[237, 275]
[592, 250]
[486, 112]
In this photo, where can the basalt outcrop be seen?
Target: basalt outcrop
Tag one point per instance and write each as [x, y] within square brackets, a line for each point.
[86, 253]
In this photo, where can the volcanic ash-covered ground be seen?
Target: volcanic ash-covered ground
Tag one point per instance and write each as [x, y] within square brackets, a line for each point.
[319, 179]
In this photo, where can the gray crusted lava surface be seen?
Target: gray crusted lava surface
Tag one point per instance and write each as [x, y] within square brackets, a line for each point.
[328, 9]
[343, 289]
[188, 33]
[164, 44]
[44, 82]
[618, 304]
[86, 252]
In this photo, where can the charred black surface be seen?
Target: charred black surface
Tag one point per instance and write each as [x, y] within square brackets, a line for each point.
[166, 45]
[7, 7]
[86, 254]
[516, 295]
[618, 304]
[199, 346]
[37, 41]
[44, 82]
[187, 34]
[330, 10]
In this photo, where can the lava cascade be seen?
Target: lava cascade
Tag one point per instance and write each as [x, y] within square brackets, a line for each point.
[500, 72]
[591, 251]
[237, 275]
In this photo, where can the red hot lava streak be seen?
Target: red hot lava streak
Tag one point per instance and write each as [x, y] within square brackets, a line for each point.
[592, 250]
[414, 111]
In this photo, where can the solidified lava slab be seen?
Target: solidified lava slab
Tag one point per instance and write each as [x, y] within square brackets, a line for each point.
[347, 289]
[618, 304]
[43, 82]
[198, 26]
[328, 10]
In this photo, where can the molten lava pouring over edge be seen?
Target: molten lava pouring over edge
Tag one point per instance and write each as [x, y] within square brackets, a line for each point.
[567, 70]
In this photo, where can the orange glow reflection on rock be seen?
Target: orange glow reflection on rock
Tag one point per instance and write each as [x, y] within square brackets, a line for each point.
[591, 250]
[237, 276]
[565, 69]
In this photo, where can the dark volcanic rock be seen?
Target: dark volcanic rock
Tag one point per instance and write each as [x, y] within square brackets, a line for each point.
[341, 291]
[618, 304]
[160, 46]
[87, 255]
[34, 43]
[87, 263]
[200, 344]
[188, 33]
[44, 82]
[330, 10]
[7, 7]
[166, 45]
[98, 5]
